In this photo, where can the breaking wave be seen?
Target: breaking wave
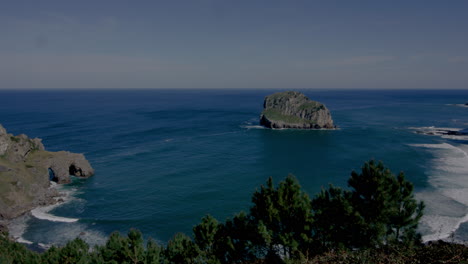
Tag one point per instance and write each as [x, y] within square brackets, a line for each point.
[447, 199]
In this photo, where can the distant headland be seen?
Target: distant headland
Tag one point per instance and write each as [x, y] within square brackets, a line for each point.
[294, 110]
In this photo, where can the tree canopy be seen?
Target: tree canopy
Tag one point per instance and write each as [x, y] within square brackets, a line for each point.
[283, 224]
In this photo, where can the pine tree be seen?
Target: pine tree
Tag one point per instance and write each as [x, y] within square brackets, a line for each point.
[405, 214]
[386, 204]
[153, 252]
[236, 240]
[336, 224]
[204, 236]
[283, 216]
[181, 249]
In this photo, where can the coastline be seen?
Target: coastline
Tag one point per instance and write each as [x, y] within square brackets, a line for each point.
[17, 226]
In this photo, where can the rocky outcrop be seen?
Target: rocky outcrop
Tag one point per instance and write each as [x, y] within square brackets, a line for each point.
[294, 110]
[26, 170]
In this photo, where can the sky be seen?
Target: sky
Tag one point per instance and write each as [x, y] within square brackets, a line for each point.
[234, 44]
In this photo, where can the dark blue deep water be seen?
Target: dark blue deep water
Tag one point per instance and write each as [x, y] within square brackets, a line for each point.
[165, 158]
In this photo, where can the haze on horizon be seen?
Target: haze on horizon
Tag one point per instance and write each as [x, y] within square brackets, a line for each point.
[234, 44]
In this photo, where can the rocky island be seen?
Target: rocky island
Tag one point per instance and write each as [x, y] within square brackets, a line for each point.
[26, 170]
[294, 110]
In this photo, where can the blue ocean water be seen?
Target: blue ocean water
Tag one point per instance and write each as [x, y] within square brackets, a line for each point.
[165, 158]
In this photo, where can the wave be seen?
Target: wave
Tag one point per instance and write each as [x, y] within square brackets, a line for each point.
[43, 214]
[456, 134]
[17, 227]
[459, 105]
[253, 127]
[67, 195]
[447, 200]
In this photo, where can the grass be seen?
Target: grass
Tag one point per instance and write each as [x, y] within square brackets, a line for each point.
[313, 106]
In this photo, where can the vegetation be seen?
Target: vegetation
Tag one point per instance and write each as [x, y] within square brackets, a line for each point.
[312, 105]
[15, 139]
[373, 222]
[275, 114]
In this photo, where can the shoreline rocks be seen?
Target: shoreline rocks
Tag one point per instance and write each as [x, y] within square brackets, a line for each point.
[294, 110]
[26, 170]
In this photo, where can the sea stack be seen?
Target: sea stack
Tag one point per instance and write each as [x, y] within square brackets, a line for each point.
[26, 170]
[294, 110]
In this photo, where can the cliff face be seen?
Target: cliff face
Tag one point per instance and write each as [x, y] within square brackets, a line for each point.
[26, 169]
[294, 110]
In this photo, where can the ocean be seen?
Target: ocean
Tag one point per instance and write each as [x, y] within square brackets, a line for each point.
[166, 158]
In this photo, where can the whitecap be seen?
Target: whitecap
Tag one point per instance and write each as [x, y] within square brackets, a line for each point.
[43, 214]
[63, 233]
[447, 200]
[254, 127]
[459, 105]
[17, 227]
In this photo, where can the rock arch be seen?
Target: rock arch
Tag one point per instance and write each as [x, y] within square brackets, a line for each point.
[52, 176]
[75, 171]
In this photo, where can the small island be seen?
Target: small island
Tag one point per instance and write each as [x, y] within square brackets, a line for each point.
[294, 110]
[26, 173]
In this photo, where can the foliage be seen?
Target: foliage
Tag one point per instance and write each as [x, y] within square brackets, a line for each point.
[15, 253]
[181, 249]
[236, 240]
[283, 217]
[275, 114]
[205, 239]
[373, 222]
[336, 224]
[386, 204]
[380, 209]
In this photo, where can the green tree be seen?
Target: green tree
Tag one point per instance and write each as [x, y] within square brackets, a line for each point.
[120, 249]
[283, 216]
[16, 253]
[134, 247]
[405, 214]
[153, 252]
[386, 204]
[181, 249]
[236, 240]
[75, 251]
[204, 236]
[336, 224]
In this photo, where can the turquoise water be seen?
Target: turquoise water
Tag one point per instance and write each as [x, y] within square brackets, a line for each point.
[166, 158]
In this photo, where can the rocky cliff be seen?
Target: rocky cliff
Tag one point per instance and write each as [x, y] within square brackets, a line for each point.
[294, 110]
[26, 170]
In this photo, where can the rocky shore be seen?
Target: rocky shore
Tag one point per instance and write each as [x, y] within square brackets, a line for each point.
[294, 110]
[26, 172]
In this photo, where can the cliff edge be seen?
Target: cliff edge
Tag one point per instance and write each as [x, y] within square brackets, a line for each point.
[26, 170]
[294, 110]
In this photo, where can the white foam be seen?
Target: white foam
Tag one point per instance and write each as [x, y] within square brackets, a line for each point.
[17, 227]
[447, 203]
[254, 127]
[459, 105]
[443, 132]
[43, 214]
[44, 246]
[23, 241]
[442, 227]
[455, 137]
[63, 233]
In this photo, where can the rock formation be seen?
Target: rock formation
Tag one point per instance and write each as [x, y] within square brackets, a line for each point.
[294, 110]
[26, 170]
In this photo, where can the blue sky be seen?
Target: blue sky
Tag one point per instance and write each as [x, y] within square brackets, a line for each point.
[234, 44]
